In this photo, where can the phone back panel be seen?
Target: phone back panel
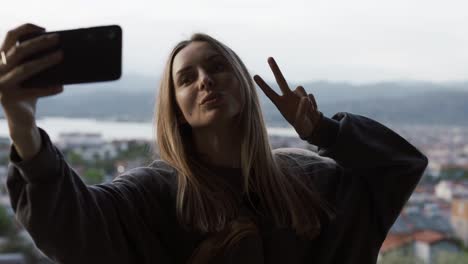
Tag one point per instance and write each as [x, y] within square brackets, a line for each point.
[90, 55]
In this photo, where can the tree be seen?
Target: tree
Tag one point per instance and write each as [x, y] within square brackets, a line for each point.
[6, 225]
[93, 176]
[398, 257]
[453, 173]
[446, 257]
[4, 160]
[17, 244]
[75, 158]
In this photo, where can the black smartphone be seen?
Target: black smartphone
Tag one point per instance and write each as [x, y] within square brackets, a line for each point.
[90, 55]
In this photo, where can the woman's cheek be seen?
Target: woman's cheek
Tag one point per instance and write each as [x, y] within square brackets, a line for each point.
[190, 99]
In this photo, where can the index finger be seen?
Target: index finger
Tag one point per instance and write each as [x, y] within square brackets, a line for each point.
[266, 88]
[14, 34]
[279, 76]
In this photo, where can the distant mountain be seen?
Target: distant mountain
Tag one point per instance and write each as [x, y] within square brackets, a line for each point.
[324, 91]
[342, 91]
[448, 107]
[133, 98]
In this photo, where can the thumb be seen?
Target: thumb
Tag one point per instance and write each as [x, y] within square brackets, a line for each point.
[41, 92]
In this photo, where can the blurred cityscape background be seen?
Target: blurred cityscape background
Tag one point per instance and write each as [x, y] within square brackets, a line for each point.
[434, 220]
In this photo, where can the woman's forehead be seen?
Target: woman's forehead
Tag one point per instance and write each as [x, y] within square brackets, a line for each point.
[194, 52]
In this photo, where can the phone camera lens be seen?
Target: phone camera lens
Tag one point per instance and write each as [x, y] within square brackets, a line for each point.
[90, 37]
[111, 34]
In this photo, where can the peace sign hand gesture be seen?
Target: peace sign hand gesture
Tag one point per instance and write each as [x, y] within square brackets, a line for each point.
[299, 109]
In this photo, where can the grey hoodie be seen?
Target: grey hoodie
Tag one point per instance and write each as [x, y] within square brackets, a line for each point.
[367, 173]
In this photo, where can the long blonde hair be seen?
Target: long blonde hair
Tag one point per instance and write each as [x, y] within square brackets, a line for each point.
[202, 202]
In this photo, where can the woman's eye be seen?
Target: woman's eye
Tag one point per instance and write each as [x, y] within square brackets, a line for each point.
[218, 66]
[184, 80]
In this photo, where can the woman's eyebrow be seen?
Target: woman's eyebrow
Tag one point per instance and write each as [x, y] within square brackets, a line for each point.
[183, 70]
[208, 58]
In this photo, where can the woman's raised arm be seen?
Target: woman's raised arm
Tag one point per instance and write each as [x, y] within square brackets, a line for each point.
[75, 223]
[376, 161]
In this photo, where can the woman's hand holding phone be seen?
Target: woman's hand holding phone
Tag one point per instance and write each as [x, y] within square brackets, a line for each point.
[19, 105]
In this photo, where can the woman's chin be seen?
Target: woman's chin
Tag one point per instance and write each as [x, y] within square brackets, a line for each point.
[216, 118]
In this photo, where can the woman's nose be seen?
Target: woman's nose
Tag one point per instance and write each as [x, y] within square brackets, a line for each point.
[205, 80]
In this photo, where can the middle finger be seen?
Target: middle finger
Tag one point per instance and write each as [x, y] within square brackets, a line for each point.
[30, 68]
[32, 46]
[279, 76]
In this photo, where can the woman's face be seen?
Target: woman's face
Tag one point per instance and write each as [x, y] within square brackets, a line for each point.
[197, 71]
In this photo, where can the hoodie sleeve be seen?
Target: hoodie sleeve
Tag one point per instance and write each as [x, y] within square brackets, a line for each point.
[387, 165]
[74, 223]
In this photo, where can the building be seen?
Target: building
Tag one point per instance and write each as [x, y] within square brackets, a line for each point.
[421, 232]
[78, 139]
[88, 145]
[428, 244]
[448, 189]
[424, 245]
[459, 218]
[104, 151]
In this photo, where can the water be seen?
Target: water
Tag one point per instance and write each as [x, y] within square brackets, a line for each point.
[111, 130]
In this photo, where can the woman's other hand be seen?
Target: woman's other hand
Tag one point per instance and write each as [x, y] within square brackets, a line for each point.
[297, 107]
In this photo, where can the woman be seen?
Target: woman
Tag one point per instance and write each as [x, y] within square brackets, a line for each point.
[216, 192]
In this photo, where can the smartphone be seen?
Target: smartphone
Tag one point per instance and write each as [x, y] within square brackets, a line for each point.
[89, 55]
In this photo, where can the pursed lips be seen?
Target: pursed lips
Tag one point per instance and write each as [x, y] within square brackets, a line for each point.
[210, 97]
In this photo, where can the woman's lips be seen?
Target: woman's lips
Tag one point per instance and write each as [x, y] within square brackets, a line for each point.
[211, 98]
[213, 101]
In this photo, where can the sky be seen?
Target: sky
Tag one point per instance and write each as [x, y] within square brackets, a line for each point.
[359, 41]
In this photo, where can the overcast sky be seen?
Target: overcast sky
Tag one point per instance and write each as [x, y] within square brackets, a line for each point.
[358, 41]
